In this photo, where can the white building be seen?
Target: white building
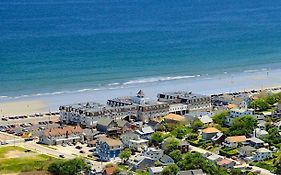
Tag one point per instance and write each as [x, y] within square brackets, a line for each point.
[87, 114]
[178, 108]
[155, 170]
[238, 112]
[262, 154]
[62, 135]
[154, 153]
[134, 141]
[194, 102]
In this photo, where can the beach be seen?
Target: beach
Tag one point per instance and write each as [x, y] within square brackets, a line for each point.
[22, 107]
[258, 79]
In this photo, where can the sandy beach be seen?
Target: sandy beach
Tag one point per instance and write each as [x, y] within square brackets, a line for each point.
[204, 84]
[22, 107]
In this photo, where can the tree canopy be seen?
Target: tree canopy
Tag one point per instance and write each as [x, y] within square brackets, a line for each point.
[244, 125]
[171, 144]
[197, 161]
[220, 118]
[157, 137]
[176, 155]
[196, 124]
[125, 154]
[75, 166]
[172, 169]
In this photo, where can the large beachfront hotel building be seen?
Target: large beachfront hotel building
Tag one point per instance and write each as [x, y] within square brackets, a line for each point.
[194, 102]
[87, 114]
[133, 107]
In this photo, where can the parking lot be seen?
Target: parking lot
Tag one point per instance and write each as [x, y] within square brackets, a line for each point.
[28, 126]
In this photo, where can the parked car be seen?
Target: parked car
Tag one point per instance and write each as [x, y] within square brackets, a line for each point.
[61, 156]
[78, 147]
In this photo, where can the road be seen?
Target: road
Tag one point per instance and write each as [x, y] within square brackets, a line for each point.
[255, 169]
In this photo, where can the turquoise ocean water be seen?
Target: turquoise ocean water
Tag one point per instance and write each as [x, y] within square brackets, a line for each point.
[49, 46]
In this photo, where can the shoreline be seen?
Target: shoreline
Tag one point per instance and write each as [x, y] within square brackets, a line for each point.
[208, 85]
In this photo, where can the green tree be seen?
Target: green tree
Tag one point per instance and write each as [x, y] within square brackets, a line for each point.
[196, 124]
[157, 137]
[271, 99]
[176, 155]
[243, 126]
[220, 118]
[197, 161]
[75, 166]
[125, 154]
[277, 164]
[260, 105]
[235, 171]
[180, 131]
[172, 169]
[171, 144]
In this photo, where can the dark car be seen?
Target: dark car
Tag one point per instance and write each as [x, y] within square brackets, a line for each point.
[78, 147]
[61, 156]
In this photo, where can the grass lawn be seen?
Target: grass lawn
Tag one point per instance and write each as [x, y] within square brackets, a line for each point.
[5, 149]
[22, 161]
[267, 164]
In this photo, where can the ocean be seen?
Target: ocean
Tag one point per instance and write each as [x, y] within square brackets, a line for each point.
[64, 46]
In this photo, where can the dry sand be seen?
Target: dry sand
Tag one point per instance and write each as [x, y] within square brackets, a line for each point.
[25, 107]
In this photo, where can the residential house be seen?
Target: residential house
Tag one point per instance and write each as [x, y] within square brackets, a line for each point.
[213, 157]
[277, 112]
[108, 148]
[155, 170]
[145, 132]
[206, 119]
[112, 126]
[184, 147]
[158, 154]
[109, 170]
[140, 163]
[238, 112]
[153, 153]
[255, 142]
[192, 172]
[218, 138]
[134, 141]
[226, 163]
[62, 135]
[209, 133]
[166, 160]
[262, 154]
[174, 119]
[260, 133]
[234, 141]
[246, 151]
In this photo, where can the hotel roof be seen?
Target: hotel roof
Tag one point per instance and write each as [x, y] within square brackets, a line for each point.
[184, 94]
[210, 130]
